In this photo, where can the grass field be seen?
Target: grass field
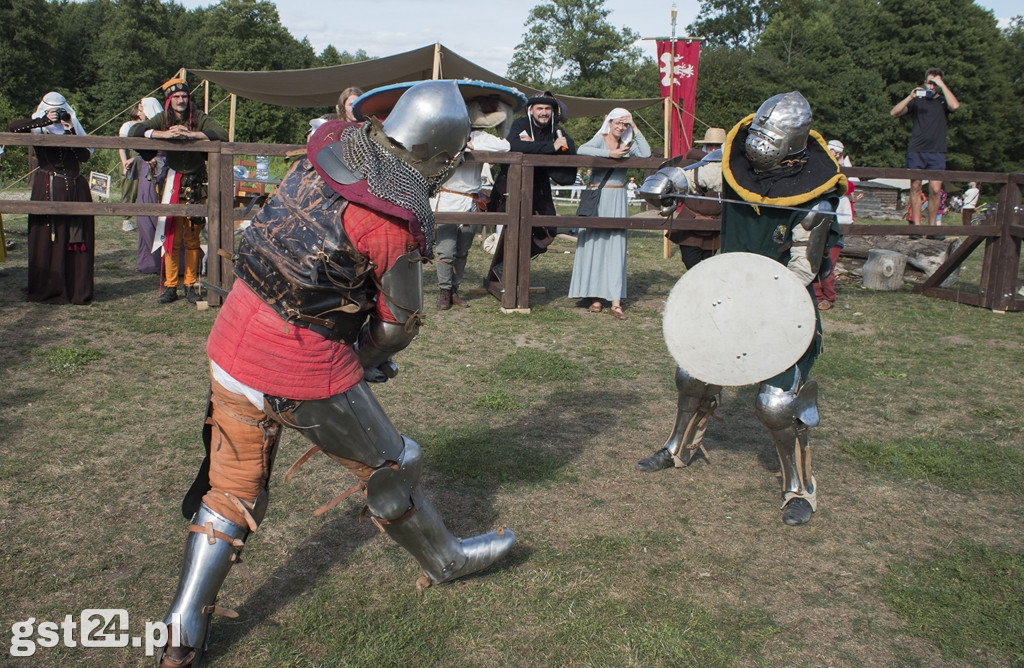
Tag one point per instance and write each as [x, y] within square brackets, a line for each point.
[914, 558]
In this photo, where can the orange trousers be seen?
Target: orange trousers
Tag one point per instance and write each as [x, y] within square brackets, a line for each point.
[187, 233]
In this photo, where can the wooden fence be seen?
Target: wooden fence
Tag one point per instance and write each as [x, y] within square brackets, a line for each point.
[1001, 235]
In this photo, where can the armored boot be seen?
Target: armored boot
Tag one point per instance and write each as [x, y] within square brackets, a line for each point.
[213, 545]
[442, 556]
[444, 299]
[788, 415]
[395, 499]
[697, 403]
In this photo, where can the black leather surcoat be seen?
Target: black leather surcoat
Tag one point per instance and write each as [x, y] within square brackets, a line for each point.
[296, 256]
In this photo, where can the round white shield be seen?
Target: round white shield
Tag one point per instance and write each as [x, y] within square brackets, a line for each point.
[738, 318]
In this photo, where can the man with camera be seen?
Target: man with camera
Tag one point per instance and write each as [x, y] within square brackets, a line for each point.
[929, 107]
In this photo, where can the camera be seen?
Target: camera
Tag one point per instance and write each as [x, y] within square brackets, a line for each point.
[922, 92]
[63, 115]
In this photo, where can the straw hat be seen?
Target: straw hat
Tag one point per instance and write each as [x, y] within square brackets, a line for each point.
[712, 136]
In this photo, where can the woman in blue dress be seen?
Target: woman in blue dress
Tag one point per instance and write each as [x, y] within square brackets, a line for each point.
[599, 269]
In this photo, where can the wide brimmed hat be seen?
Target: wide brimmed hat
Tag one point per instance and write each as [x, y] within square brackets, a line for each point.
[712, 136]
[380, 101]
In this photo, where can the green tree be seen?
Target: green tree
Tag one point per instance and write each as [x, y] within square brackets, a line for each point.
[733, 23]
[29, 53]
[570, 48]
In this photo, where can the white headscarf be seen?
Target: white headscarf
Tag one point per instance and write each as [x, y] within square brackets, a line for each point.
[606, 127]
[151, 107]
[57, 101]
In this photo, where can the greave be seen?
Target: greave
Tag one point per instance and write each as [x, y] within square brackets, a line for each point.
[697, 403]
[795, 458]
[442, 556]
[208, 558]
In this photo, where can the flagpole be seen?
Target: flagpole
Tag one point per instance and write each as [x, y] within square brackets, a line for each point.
[667, 111]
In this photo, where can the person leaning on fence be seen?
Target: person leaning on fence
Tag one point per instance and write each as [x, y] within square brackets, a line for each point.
[538, 133]
[129, 178]
[780, 189]
[460, 193]
[185, 183]
[61, 248]
[148, 177]
[599, 267]
[328, 288]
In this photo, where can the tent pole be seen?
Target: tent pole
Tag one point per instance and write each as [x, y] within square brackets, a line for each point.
[231, 121]
[437, 61]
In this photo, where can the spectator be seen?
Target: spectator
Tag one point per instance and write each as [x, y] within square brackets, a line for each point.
[345, 100]
[185, 183]
[342, 110]
[61, 249]
[825, 288]
[129, 179]
[631, 187]
[929, 107]
[599, 268]
[538, 132]
[970, 203]
[149, 178]
[460, 192]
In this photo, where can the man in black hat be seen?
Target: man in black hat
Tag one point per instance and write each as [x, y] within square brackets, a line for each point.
[538, 132]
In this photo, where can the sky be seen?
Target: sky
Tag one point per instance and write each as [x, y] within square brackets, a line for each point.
[485, 33]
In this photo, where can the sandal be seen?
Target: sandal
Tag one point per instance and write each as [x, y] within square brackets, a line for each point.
[824, 306]
[617, 313]
[596, 307]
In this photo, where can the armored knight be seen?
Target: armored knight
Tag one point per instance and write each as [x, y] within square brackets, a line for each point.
[780, 187]
[328, 288]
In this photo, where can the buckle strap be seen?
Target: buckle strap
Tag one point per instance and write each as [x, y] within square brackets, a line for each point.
[217, 610]
[300, 461]
[338, 499]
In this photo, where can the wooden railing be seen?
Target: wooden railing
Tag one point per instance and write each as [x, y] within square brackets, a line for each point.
[1002, 236]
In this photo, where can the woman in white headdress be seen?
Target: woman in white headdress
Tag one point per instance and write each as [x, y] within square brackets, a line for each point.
[149, 176]
[599, 268]
[61, 249]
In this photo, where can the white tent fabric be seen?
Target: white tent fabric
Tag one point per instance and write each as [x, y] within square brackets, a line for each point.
[320, 87]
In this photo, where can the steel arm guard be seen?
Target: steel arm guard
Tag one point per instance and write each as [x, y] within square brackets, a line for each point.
[402, 292]
[658, 188]
[809, 240]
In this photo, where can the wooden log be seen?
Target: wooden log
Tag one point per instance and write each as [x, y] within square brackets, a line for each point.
[883, 270]
[925, 255]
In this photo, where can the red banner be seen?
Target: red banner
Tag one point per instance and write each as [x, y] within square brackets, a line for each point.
[678, 73]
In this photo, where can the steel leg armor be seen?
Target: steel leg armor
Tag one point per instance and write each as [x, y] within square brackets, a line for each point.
[788, 414]
[697, 403]
[353, 427]
[212, 547]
